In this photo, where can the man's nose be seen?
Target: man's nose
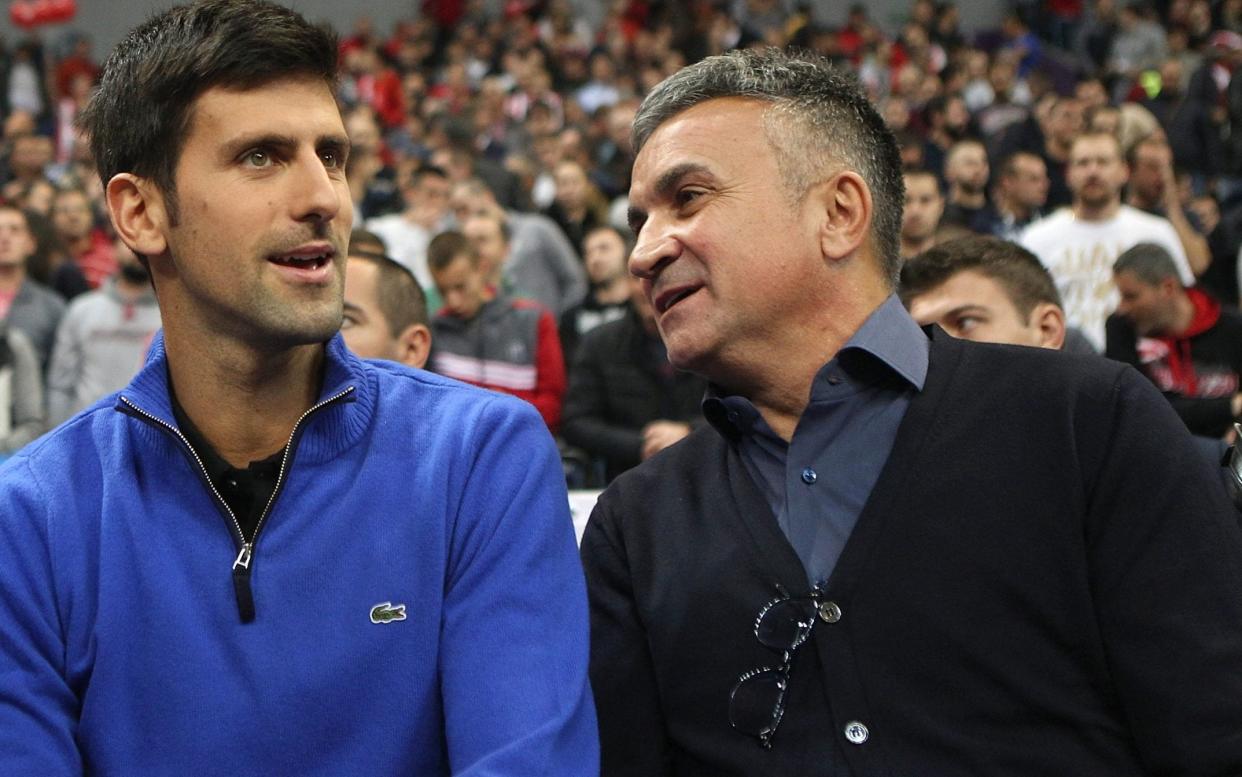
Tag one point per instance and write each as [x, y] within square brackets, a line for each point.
[318, 197]
[654, 249]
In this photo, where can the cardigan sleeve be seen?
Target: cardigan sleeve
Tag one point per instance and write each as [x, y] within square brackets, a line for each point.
[1165, 559]
[631, 724]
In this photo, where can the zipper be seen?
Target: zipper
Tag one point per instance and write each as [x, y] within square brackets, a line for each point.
[242, 564]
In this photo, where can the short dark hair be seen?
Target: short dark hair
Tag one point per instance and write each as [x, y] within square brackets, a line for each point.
[819, 116]
[400, 297]
[447, 246]
[626, 237]
[140, 116]
[1018, 271]
[362, 241]
[1151, 263]
[1009, 165]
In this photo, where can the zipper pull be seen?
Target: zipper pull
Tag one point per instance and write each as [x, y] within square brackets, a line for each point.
[241, 584]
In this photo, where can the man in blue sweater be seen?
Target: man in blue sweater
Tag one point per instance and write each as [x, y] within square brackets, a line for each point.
[264, 555]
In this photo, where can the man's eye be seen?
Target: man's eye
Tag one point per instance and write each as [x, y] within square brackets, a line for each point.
[331, 159]
[967, 323]
[348, 322]
[686, 196]
[258, 158]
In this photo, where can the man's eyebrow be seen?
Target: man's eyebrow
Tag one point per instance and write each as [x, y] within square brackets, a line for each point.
[969, 307]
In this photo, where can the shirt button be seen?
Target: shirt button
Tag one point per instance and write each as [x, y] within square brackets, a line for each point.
[809, 476]
[829, 612]
[856, 732]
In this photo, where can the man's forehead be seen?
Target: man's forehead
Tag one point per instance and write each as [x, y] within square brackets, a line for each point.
[706, 133]
[233, 106]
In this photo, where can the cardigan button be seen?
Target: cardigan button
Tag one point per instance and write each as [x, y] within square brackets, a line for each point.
[829, 612]
[856, 732]
[809, 476]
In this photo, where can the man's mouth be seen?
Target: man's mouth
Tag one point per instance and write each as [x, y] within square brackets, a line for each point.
[671, 297]
[310, 257]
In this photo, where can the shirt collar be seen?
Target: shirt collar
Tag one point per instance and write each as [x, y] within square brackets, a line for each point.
[889, 336]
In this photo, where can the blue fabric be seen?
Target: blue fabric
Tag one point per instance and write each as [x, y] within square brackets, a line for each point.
[121, 647]
[819, 482]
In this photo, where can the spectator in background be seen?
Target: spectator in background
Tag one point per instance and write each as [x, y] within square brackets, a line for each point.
[1079, 244]
[385, 309]
[51, 264]
[488, 338]
[1153, 189]
[29, 158]
[920, 218]
[578, 206]
[22, 416]
[605, 251]
[625, 402]
[523, 253]
[372, 178]
[1017, 199]
[25, 303]
[1180, 338]
[984, 289]
[103, 339]
[407, 234]
[966, 174]
[89, 246]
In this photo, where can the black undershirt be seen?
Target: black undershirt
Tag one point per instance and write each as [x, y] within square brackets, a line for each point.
[246, 491]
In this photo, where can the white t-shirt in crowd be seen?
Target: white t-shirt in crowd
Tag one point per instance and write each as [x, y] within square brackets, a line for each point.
[1080, 256]
[406, 243]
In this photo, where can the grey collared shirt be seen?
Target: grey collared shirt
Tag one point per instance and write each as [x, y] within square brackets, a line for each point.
[818, 483]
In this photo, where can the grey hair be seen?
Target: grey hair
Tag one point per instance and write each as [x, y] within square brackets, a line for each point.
[819, 116]
[1151, 263]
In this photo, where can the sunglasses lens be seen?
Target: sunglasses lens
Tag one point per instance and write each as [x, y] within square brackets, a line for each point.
[756, 703]
[786, 624]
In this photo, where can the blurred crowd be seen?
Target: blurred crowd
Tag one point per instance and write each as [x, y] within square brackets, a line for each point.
[507, 130]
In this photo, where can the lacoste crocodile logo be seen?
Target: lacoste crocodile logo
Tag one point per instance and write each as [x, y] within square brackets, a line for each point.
[387, 612]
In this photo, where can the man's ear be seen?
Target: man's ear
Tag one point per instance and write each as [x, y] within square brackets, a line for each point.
[414, 345]
[846, 205]
[1050, 321]
[138, 213]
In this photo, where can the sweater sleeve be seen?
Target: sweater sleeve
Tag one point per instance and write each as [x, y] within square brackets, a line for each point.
[549, 372]
[38, 707]
[1165, 558]
[514, 641]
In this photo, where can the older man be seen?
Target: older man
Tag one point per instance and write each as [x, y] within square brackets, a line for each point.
[891, 551]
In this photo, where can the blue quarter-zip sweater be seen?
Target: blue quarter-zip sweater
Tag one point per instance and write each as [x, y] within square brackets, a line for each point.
[418, 602]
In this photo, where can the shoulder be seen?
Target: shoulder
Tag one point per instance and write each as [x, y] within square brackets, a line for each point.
[43, 294]
[1047, 229]
[439, 401]
[1023, 386]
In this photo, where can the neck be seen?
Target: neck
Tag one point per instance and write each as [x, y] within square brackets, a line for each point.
[778, 379]
[1183, 314]
[11, 277]
[913, 246]
[129, 290]
[245, 402]
[613, 292]
[1138, 200]
[1007, 206]
[967, 199]
[80, 245]
[1104, 212]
